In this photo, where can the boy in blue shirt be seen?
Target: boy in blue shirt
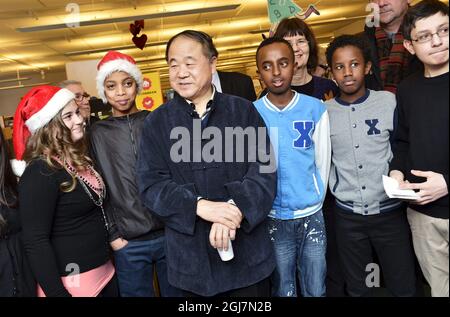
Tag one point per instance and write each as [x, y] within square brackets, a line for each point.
[299, 126]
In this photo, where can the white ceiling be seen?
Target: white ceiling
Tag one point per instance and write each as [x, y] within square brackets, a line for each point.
[235, 32]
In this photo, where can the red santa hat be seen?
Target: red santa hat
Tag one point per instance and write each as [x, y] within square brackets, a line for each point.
[117, 62]
[35, 110]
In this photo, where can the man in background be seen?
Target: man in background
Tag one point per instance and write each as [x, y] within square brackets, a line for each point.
[391, 62]
[81, 99]
[234, 83]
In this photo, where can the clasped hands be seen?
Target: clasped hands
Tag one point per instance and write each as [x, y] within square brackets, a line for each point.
[226, 218]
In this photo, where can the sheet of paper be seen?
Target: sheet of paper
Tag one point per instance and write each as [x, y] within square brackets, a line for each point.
[391, 189]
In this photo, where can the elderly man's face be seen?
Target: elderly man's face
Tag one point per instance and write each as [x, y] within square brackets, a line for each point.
[81, 98]
[190, 71]
[392, 10]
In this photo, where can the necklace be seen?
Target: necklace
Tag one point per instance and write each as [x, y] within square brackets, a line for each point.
[98, 202]
[100, 189]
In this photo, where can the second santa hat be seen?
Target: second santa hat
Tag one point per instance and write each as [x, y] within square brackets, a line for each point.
[115, 62]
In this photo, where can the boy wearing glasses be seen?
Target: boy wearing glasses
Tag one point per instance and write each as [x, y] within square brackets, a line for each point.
[81, 99]
[421, 154]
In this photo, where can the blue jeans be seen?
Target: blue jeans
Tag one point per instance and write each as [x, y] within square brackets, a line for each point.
[300, 249]
[134, 268]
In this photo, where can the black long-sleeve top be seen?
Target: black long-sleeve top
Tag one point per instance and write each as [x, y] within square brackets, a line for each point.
[422, 133]
[59, 228]
[16, 279]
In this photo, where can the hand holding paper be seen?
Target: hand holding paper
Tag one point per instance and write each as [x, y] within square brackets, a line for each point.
[434, 188]
[391, 188]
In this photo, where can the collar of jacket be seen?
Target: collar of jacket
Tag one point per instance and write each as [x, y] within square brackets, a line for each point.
[129, 116]
[186, 107]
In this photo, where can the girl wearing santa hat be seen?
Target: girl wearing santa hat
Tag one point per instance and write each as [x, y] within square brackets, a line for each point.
[61, 197]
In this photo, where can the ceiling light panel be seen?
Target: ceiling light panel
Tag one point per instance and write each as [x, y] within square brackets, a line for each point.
[130, 18]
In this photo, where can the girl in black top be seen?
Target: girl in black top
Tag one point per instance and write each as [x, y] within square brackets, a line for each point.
[15, 276]
[61, 197]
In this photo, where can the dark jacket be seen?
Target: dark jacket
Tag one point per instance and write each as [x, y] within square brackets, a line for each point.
[91, 121]
[16, 278]
[373, 79]
[171, 190]
[114, 147]
[237, 84]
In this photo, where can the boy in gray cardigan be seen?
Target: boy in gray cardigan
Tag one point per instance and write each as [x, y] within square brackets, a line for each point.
[361, 124]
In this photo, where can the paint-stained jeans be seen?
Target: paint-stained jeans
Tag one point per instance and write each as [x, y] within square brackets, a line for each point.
[300, 249]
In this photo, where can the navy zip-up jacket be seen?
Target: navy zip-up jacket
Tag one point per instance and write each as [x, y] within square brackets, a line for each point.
[171, 189]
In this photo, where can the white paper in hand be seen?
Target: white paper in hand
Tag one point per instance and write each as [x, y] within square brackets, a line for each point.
[227, 255]
[391, 188]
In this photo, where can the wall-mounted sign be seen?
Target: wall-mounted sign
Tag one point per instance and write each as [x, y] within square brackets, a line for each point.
[151, 96]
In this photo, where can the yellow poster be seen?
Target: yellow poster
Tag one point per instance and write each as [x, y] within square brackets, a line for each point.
[151, 96]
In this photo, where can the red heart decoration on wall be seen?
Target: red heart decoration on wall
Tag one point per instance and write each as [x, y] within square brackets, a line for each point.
[140, 41]
[135, 29]
[139, 24]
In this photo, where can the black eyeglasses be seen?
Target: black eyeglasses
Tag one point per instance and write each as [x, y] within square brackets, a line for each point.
[427, 37]
[79, 97]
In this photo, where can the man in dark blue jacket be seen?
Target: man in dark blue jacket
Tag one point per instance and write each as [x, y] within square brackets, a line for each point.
[206, 190]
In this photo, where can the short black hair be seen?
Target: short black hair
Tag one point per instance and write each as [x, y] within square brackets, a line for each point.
[272, 40]
[209, 50]
[421, 10]
[357, 41]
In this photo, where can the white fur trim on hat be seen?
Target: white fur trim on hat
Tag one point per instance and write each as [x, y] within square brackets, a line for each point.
[115, 66]
[51, 108]
[18, 167]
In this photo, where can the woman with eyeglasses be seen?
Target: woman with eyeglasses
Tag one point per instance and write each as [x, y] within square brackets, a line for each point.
[304, 43]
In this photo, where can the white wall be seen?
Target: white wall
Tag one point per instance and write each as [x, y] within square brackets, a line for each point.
[85, 72]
